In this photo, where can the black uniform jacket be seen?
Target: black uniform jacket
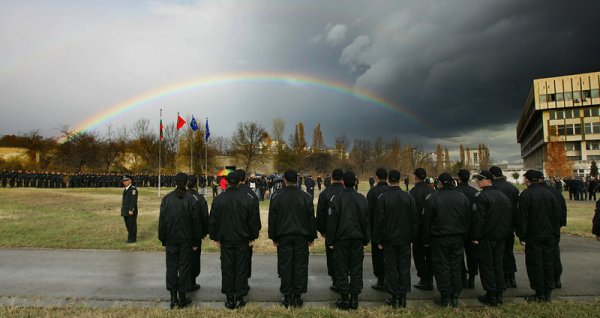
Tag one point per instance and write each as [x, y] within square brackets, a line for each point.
[179, 221]
[372, 196]
[492, 217]
[511, 192]
[348, 218]
[129, 202]
[538, 214]
[447, 212]
[396, 218]
[420, 193]
[202, 210]
[323, 205]
[562, 204]
[234, 217]
[292, 212]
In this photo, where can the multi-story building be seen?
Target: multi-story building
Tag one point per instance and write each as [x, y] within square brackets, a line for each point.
[564, 106]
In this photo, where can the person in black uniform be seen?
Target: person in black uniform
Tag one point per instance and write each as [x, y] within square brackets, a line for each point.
[292, 228]
[491, 224]
[396, 226]
[422, 253]
[327, 181]
[470, 267]
[348, 231]
[322, 212]
[510, 265]
[310, 186]
[562, 204]
[406, 181]
[180, 231]
[129, 208]
[234, 225]
[319, 182]
[371, 182]
[4, 178]
[377, 256]
[445, 223]
[538, 227]
[202, 210]
[244, 187]
[596, 221]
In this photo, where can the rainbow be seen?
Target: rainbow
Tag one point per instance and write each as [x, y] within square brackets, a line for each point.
[242, 78]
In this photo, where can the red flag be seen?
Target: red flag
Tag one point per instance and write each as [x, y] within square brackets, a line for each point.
[180, 122]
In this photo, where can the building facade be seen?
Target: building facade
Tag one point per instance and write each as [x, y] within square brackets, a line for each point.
[564, 106]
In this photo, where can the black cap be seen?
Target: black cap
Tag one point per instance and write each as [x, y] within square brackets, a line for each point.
[463, 175]
[337, 174]
[394, 176]
[381, 173]
[181, 177]
[533, 175]
[446, 179]
[241, 173]
[420, 173]
[193, 180]
[126, 177]
[290, 176]
[349, 179]
[233, 178]
[484, 174]
[496, 171]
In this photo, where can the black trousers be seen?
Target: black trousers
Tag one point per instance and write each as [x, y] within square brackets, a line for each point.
[471, 265]
[397, 268]
[447, 254]
[250, 253]
[179, 260]
[377, 256]
[558, 269]
[131, 225]
[539, 259]
[491, 268]
[592, 194]
[330, 264]
[195, 268]
[422, 258]
[510, 264]
[292, 261]
[234, 268]
[348, 258]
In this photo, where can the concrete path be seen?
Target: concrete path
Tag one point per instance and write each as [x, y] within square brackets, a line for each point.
[106, 278]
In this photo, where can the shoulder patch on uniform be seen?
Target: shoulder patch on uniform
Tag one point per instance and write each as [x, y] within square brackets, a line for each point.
[329, 211]
[427, 197]
[477, 193]
[331, 200]
[248, 194]
[133, 191]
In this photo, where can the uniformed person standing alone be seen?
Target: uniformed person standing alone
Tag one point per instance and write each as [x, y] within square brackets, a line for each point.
[491, 223]
[348, 231]
[322, 213]
[377, 256]
[445, 223]
[396, 226]
[538, 226]
[422, 253]
[202, 209]
[234, 225]
[180, 231]
[129, 208]
[292, 228]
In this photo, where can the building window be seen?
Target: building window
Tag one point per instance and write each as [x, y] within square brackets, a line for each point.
[573, 146]
[595, 93]
[475, 158]
[560, 97]
[560, 114]
[568, 96]
[542, 98]
[573, 158]
[596, 128]
[576, 97]
[552, 114]
[551, 97]
[593, 157]
[578, 129]
[593, 145]
[587, 112]
[587, 128]
[574, 113]
[586, 94]
[591, 112]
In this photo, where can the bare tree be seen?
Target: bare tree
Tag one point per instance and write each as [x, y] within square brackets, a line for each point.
[111, 147]
[248, 142]
[378, 153]
[278, 130]
[318, 144]
[394, 153]
[342, 144]
[361, 153]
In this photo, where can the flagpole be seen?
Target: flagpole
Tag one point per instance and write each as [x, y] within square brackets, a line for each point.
[206, 150]
[192, 152]
[159, 154]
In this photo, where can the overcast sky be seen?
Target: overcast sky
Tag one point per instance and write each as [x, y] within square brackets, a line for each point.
[463, 66]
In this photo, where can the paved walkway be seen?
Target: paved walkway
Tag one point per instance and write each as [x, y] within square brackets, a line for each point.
[108, 278]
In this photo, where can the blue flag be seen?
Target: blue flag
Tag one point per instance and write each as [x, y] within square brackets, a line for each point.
[194, 124]
[207, 130]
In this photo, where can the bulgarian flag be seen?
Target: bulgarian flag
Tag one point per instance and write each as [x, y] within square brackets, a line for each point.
[161, 125]
[180, 122]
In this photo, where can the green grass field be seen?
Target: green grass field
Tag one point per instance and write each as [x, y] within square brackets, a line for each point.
[554, 309]
[90, 219]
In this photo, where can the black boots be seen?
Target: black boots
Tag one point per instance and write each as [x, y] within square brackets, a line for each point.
[297, 301]
[490, 299]
[184, 301]
[558, 282]
[454, 300]
[287, 301]
[470, 282]
[510, 280]
[397, 301]
[380, 286]
[540, 296]
[333, 286]
[240, 301]
[426, 283]
[354, 301]
[173, 299]
[343, 302]
[444, 300]
[230, 302]
[500, 297]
